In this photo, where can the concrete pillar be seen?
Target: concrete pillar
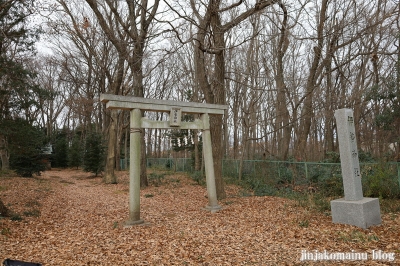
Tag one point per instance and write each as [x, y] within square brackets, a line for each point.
[351, 172]
[353, 209]
[209, 165]
[134, 168]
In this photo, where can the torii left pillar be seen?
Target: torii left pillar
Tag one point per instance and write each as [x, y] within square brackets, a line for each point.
[134, 168]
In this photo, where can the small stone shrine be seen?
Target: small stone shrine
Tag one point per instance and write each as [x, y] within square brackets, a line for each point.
[353, 209]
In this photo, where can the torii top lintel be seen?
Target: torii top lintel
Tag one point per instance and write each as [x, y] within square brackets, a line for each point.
[145, 104]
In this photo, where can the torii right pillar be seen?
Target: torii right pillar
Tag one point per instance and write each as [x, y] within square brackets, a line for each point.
[353, 209]
[209, 165]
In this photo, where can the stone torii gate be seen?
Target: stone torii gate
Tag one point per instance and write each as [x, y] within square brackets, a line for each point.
[137, 122]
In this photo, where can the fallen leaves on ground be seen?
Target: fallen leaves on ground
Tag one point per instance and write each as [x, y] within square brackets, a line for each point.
[71, 218]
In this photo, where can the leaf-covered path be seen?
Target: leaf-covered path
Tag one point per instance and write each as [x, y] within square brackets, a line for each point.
[81, 223]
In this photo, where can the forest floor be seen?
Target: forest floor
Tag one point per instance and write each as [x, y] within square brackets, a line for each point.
[69, 217]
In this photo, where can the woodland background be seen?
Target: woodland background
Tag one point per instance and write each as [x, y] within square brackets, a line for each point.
[282, 67]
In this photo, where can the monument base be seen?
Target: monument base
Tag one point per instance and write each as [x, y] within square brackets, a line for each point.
[362, 213]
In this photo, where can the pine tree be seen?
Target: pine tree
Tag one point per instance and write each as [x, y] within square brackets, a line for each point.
[93, 159]
[18, 92]
[25, 144]
[75, 153]
[61, 152]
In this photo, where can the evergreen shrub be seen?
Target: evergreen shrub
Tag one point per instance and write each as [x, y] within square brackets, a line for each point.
[94, 153]
[25, 144]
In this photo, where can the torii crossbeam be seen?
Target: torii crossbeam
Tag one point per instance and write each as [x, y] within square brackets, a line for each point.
[137, 122]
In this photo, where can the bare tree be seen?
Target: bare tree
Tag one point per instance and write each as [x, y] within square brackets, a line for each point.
[50, 79]
[135, 25]
[210, 39]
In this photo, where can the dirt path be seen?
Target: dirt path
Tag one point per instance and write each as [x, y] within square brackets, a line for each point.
[81, 223]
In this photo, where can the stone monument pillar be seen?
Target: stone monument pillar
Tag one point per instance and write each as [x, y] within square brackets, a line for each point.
[353, 209]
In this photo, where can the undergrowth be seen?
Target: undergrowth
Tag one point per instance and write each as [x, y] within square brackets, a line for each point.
[311, 185]
[325, 183]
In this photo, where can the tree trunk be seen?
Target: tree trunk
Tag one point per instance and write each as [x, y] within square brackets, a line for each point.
[282, 127]
[330, 95]
[126, 150]
[216, 122]
[197, 154]
[245, 145]
[118, 145]
[109, 176]
[157, 143]
[235, 110]
[4, 211]
[149, 145]
[215, 92]
[136, 29]
[307, 111]
[4, 156]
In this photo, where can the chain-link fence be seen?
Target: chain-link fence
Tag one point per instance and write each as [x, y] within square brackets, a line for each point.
[174, 164]
[379, 179]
